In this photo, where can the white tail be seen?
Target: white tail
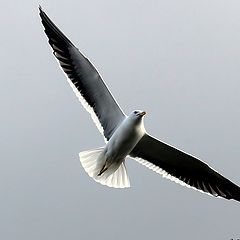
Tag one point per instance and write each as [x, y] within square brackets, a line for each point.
[92, 162]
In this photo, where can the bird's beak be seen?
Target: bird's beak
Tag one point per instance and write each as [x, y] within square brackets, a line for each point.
[142, 113]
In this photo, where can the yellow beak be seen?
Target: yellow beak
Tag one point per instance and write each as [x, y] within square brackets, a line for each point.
[142, 113]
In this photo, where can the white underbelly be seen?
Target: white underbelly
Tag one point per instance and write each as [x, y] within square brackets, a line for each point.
[122, 142]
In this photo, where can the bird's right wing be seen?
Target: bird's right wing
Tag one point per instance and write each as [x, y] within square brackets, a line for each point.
[183, 168]
[84, 80]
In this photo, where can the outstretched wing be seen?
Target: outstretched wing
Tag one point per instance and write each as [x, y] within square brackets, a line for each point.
[84, 80]
[183, 168]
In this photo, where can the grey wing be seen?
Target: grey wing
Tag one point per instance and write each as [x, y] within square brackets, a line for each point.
[84, 80]
[183, 168]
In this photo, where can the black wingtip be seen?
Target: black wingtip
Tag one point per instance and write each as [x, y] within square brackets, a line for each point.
[41, 12]
[40, 9]
[52, 31]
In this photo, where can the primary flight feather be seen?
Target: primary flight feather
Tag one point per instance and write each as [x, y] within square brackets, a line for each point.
[126, 135]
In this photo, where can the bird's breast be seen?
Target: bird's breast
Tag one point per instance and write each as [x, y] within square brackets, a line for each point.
[123, 140]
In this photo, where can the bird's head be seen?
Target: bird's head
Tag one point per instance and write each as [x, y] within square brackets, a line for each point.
[137, 114]
[136, 117]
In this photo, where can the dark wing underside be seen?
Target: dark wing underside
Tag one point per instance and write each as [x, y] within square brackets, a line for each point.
[183, 168]
[84, 80]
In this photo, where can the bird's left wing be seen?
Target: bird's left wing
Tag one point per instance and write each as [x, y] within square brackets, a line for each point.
[183, 168]
[84, 80]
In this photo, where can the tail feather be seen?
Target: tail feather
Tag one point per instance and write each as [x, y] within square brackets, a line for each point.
[93, 162]
[90, 161]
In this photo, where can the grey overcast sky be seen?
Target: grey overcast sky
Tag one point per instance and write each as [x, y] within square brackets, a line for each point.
[178, 60]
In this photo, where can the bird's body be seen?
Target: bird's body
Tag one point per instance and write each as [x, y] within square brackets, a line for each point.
[125, 138]
[126, 135]
[113, 154]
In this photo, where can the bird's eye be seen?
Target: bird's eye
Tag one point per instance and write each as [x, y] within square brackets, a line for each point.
[135, 112]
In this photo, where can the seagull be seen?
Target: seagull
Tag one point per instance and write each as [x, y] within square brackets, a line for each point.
[125, 135]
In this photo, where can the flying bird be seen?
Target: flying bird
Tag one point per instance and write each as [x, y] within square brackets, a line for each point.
[125, 135]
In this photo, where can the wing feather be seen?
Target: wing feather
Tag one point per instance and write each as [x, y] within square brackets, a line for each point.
[84, 79]
[183, 168]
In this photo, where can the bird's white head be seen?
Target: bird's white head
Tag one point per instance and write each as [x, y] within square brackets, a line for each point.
[137, 115]
[137, 118]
